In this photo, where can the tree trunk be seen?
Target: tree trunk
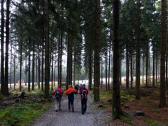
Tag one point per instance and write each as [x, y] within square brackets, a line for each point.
[109, 69]
[166, 71]
[14, 71]
[11, 67]
[153, 76]
[90, 69]
[147, 64]
[74, 69]
[69, 61]
[2, 48]
[42, 70]
[54, 75]
[29, 70]
[20, 67]
[26, 72]
[127, 68]
[74, 73]
[39, 71]
[36, 70]
[7, 47]
[116, 107]
[52, 70]
[60, 47]
[138, 52]
[97, 40]
[131, 72]
[106, 60]
[163, 53]
[47, 48]
[33, 65]
[101, 75]
[143, 69]
[120, 77]
[156, 68]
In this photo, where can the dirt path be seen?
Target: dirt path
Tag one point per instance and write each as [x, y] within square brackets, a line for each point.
[65, 118]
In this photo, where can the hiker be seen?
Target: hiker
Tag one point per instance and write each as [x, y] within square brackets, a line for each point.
[83, 93]
[58, 96]
[70, 92]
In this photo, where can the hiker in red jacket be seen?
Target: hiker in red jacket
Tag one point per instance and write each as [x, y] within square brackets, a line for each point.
[58, 96]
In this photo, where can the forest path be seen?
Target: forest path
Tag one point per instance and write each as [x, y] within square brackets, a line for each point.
[92, 117]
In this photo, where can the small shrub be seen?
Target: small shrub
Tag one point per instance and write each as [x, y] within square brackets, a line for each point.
[126, 118]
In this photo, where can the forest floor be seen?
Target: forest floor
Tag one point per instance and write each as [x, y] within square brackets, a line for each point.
[148, 104]
[16, 111]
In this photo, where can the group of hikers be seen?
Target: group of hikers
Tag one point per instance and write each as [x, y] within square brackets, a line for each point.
[71, 92]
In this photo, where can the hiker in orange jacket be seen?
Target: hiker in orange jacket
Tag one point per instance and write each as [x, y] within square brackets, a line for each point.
[70, 92]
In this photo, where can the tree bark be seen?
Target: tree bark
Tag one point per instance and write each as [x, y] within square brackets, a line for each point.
[39, 71]
[143, 69]
[47, 48]
[138, 52]
[74, 68]
[7, 47]
[131, 72]
[90, 68]
[20, 67]
[109, 68]
[52, 70]
[147, 64]
[33, 65]
[106, 71]
[14, 71]
[116, 107]
[153, 76]
[163, 53]
[11, 67]
[29, 70]
[166, 71]
[127, 68]
[156, 68]
[2, 48]
[97, 40]
[42, 69]
[69, 60]
[60, 46]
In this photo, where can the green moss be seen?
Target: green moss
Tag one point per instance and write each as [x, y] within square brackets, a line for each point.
[126, 97]
[151, 122]
[126, 119]
[105, 95]
[22, 114]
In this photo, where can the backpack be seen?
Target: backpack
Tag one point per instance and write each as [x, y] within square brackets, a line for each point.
[57, 94]
[84, 94]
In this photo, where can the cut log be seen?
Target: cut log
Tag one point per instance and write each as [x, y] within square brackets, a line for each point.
[139, 113]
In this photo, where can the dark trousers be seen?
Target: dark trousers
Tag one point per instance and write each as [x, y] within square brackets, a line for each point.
[83, 105]
[71, 102]
[58, 103]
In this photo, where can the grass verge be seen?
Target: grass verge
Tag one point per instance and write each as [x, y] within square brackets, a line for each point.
[22, 114]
